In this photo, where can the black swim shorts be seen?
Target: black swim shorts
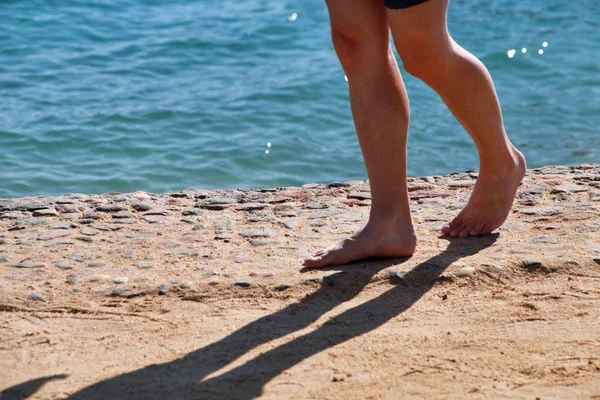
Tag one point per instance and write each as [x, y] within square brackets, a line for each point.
[398, 4]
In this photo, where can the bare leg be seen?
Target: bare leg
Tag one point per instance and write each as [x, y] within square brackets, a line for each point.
[428, 52]
[381, 115]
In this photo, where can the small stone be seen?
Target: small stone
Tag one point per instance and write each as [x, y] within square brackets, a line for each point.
[140, 196]
[71, 280]
[284, 210]
[118, 291]
[97, 264]
[69, 209]
[465, 272]
[142, 206]
[123, 214]
[243, 283]
[217, 203]
[111, 208]
[461, 184]
[397, 274]
[169, 244]
[260, 242]
[120, 280]
[282, 287]
[421, 194]
[60, 225]
[98, 278]
[291, 223]
[360, 195]
[532, 265]
[86, 239]
[325, 214]
[192, 211]
[4, 258]
[541, 211]
[163, 289]
[435, 201]
[251, 207]
[242, 259]
[37, 297]
[28, 265]
[89, 232]
[253, 233]
[144, 264]
[492, 269]
[63, 265]
[333, 278]
[569, 188]
[48, 212]
[571, 264]
[224, 236]
[54, 235]
[155, 219]
[544, 239]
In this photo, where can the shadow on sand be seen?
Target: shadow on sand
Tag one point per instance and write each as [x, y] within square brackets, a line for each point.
[183, 378]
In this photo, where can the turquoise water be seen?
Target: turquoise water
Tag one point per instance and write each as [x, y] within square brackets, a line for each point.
[132, 95]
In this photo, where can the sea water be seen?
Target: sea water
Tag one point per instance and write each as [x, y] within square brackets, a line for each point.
[107, 95]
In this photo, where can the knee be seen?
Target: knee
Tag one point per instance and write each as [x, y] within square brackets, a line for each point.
[424, 60]
[355, 51]
[348, 47]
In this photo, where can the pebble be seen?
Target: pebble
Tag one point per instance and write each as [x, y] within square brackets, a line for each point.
[251, 207]
[88, 232]
[571, 264]
[118, 291]
[435, 201]
[226, 237]
[333, 278]
[155, 219]
[69, 209]
[532, 265]
[98, 278]
[544, 239]
[37, 297]
[253, 233]
[142, 205]
[4, 258]
[492, 269]
[359, 195]
[97, 264]
[217, 203]
[120, 280]
[282, 287]
[569, 188]
[541, 210]
[243, 283]
[110, 208]
[291, 223]
[261, 242]
[53, 235]
[465, 272]
[396, 274]
[284, 210]
[28, 265]
[144, 264]
[33, 206]
[325, 214]
[163, 289]
[123, 214]
[140, 196]
[87, 239]
[169, 244]
[192, 211]
[242, 259]
[421, 194]
[60, 225]
[63, 265]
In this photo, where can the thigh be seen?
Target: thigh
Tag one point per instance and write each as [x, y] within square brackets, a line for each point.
[361, 21]
[424, 24]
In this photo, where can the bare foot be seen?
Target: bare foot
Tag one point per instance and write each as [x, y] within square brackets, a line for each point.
[491, 200]
[374, 240]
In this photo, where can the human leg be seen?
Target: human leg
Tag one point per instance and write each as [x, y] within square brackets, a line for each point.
[381, 114]
[429, 53]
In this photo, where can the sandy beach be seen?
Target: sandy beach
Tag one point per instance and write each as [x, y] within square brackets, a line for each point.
[202, 295]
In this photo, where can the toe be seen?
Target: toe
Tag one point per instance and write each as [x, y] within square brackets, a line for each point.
[467, 228]
[477, 230]
[446, 230]
[456, 231]
[313, 262]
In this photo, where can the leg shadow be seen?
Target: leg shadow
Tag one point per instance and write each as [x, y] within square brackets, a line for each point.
[26, 389]
[183, 378]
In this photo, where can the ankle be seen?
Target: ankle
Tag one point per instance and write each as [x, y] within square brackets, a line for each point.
[502, 162]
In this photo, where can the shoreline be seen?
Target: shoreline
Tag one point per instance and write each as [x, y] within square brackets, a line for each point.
[155, 295]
